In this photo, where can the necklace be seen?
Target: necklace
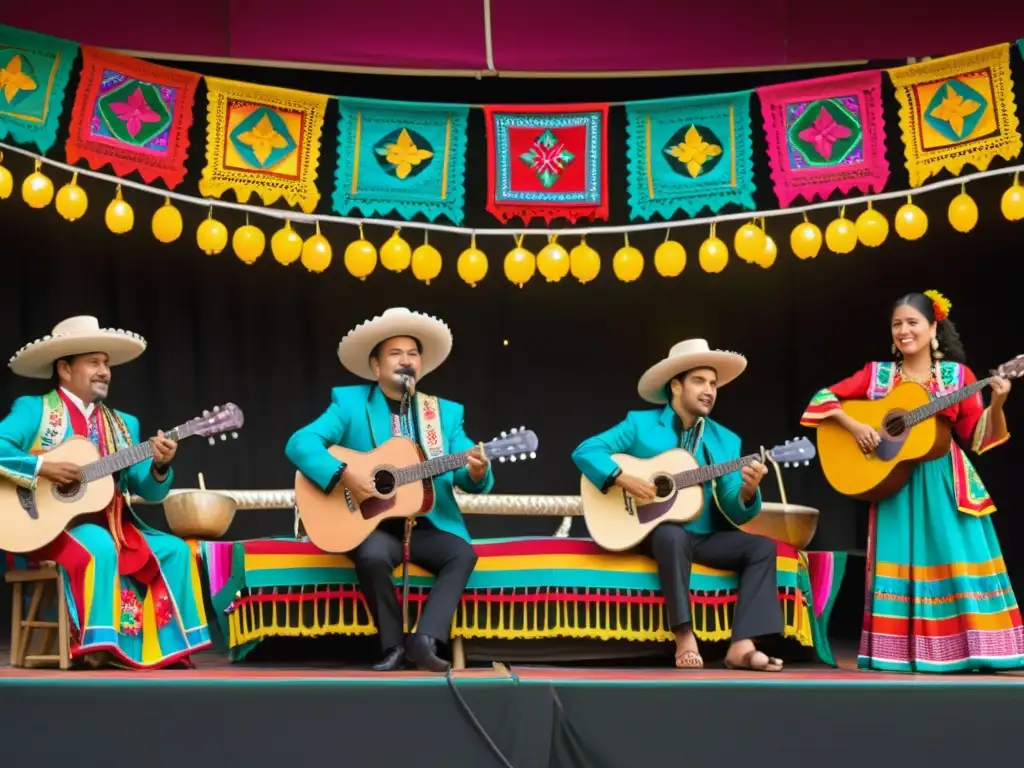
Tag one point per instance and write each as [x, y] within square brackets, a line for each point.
[905, 376]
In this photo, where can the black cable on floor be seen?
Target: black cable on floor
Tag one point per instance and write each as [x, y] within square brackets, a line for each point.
[476, 723]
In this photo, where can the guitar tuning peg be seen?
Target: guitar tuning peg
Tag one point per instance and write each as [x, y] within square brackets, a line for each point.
[212, 441]
[788, 442]
[514, 430]
[503, 434]
[216, 408]
[522, 429]
[206, 413]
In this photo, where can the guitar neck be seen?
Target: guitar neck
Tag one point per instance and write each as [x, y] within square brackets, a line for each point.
[432, 467]
[126, 457]
[703, 474]
[940, 404]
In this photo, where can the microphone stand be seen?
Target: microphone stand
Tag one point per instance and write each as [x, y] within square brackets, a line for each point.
[409, 521]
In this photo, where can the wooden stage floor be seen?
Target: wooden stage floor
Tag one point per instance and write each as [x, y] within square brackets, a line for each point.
[213, 666]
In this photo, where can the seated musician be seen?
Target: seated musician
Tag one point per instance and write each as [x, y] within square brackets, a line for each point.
[393, 352]
[688, 381]
[132, 591]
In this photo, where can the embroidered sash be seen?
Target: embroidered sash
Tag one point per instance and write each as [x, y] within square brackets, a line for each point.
[428, 415]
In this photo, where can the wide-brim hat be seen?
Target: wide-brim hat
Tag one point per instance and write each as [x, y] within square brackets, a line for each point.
[76, 336]
[434, 336]
[685, 356]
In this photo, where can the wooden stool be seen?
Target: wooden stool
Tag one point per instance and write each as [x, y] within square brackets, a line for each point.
[47, 589]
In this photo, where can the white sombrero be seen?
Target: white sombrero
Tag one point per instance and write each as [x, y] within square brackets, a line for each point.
[434, 337]
[685, 356]
[76, 336]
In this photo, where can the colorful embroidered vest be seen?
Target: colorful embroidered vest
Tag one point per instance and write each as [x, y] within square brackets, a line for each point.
[972, 497]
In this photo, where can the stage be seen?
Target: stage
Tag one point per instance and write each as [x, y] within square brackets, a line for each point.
[225, 714]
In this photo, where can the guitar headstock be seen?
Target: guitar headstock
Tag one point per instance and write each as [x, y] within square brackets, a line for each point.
[222, 419]
[517, 444]
[1011, 369]
[792, 452]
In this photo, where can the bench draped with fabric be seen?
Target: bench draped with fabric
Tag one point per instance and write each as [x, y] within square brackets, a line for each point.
[521, 589]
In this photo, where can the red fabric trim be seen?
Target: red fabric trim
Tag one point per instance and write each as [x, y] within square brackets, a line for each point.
[523, 180]
[123, 157]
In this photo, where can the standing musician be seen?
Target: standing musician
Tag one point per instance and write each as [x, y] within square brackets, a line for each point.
[132, 592]
[688, 381]
[394, 351]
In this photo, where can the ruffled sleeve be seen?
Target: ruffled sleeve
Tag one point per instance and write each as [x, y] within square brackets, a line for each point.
[974, 425]
[827, 400]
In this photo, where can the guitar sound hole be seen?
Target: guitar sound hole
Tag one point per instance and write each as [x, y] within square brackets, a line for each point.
[384, 481]
[894, 426]
[68, 492]
[663, 485]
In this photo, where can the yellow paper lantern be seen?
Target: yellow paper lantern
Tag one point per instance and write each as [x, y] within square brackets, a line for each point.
[805, 240]
[519, 264]
[6, 181]
[472, 264]
[714, 254]
[248, 243]
[360, 257]
[872, 228]
[553, 261]
[119, 217]
[963, 211]
[395, 253]
[166, 224]
[316, 252]
[911, 221]
[670, 259]
[72, 201]
[769, 254]
[628, 262]
[37, 189]
[426, 262]
[584, 262]
[840, 234]
[211, 236]
[749, 242]
[286, 245]
[1012, 203]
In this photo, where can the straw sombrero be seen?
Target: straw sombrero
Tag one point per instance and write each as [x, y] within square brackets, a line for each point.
[76, 336]
[434, 337]
[685, 356]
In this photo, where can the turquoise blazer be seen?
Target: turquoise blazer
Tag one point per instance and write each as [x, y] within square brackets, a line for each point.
[359, 419]
[18, 433]
[646, 434]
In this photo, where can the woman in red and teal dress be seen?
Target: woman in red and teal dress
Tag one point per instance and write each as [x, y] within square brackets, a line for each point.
[937, 598]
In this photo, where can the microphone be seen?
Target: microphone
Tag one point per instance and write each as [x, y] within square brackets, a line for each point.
[407, 377]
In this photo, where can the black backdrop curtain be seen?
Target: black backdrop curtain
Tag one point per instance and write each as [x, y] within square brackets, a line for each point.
[562, 359]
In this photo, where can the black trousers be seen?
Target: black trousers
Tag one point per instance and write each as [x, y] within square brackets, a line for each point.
[752, 557]
[448, 557]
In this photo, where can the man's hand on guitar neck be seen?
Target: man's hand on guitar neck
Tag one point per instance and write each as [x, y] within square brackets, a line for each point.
[641, 490]
[60, 472]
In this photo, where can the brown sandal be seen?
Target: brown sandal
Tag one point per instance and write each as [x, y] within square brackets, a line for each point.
[689, 660]
[773, 664]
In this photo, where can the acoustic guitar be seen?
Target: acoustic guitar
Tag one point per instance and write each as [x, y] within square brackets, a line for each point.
[911, 430]
[617, 521]
[403, 483]
[32, 519]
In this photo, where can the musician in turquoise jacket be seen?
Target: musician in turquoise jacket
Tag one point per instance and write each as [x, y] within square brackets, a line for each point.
[133, 593]
[393, 352]
[687, 383]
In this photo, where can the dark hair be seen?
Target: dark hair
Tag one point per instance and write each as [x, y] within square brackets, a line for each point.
[681, 377]
[375, 352]
[69, 359]
[945, 332]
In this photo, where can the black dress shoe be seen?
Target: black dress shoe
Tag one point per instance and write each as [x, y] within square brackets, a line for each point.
[422, 651]
[394, 659]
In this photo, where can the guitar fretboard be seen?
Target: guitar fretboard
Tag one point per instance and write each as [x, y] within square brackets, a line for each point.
[710, 472]
[940, 404]
[126, 457]
[431, 468]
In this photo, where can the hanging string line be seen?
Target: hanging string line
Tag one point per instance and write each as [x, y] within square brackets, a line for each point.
[298, 217]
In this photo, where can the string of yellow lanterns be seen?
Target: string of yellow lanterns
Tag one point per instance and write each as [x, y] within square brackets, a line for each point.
[751, 243]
